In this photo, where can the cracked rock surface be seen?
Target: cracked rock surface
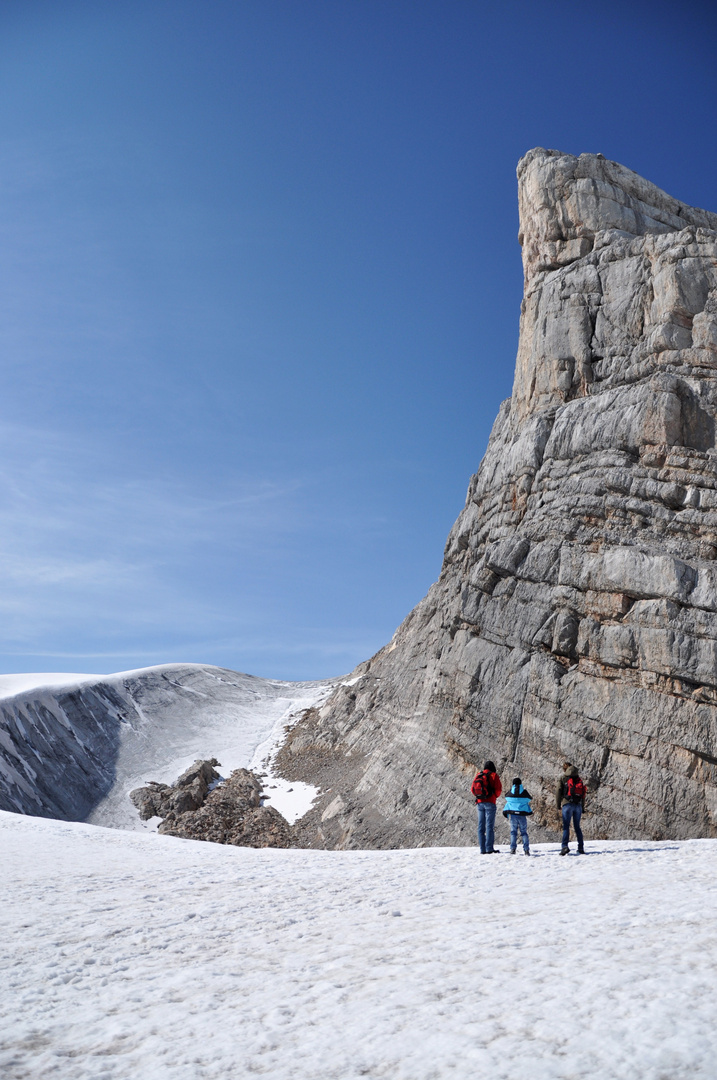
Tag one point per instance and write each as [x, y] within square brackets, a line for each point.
[575, 617]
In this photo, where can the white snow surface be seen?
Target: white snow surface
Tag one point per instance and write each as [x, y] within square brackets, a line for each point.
[292, 798]
[44, 680]
[135, 955]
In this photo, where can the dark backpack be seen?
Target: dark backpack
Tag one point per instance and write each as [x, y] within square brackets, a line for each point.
[575, 790]
[482, 786]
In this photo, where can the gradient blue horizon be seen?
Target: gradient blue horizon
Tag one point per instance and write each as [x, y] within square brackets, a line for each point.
[259, 297]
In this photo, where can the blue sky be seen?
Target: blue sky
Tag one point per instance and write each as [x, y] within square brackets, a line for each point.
[259, 296]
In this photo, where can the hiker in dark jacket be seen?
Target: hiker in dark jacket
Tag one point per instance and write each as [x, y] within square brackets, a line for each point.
[486, 788]
[516, 810]
[570, 799]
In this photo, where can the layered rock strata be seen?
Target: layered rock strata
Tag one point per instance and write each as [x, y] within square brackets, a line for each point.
[576, 612]
[201, 805]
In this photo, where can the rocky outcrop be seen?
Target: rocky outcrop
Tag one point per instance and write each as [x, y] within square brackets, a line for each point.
[575, 617]
[201, 805]
[187, 794]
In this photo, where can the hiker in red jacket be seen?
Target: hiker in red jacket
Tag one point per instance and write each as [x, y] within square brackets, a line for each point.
[570, 799]
[486, 788]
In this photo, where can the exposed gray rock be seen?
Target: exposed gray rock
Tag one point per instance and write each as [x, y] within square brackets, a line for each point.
[575, 615]
[200, 806]
[189, 792]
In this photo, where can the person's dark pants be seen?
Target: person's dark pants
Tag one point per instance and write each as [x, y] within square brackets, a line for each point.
[486, 826]
[572, 813]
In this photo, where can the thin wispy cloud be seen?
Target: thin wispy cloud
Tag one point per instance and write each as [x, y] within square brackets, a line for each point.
[135, 567]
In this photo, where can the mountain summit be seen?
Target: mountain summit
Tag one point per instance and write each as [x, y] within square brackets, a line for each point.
[575, 617]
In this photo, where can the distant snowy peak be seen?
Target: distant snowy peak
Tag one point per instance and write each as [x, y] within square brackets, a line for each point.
[72, 746]
[10, 685]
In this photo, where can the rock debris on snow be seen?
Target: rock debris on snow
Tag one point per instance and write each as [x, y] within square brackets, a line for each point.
[203, 806]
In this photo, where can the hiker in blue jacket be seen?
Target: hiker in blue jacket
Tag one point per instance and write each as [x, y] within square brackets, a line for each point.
[516, 810]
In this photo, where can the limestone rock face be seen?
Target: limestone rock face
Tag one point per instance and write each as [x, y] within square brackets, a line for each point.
[202, 806]
[575, 617]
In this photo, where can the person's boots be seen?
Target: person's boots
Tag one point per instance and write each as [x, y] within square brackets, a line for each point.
[512, 851]
[526, 851]
[581, 849]
[564, 851]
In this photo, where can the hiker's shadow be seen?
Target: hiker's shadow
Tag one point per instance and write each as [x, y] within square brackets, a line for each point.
[610, 851]
[636, 850]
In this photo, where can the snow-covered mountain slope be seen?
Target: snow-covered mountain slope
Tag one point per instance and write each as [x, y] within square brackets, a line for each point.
[137, 955]
[73, 746]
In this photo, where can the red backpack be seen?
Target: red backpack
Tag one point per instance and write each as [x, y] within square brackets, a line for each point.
[482, 786]
[575, 790]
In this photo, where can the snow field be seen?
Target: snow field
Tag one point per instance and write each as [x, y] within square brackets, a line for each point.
[134, 955]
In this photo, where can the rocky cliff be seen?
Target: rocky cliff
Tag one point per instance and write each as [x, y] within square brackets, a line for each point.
[576, 612]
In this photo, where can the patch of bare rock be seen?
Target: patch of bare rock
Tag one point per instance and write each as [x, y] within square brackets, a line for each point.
[201, 805]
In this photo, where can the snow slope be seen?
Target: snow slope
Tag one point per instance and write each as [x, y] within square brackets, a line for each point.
[10, 685]
[73, 746]
[137, 955]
